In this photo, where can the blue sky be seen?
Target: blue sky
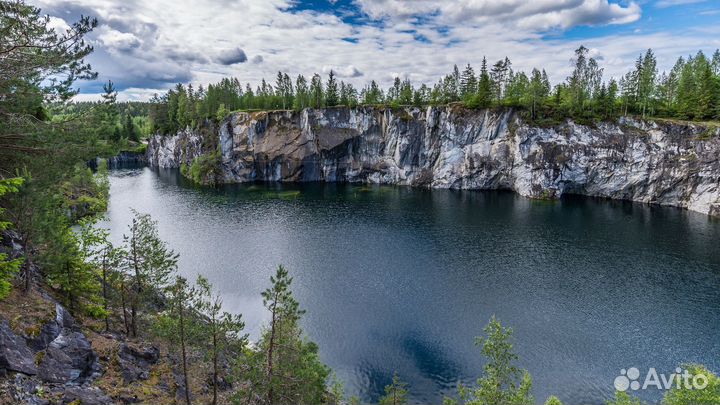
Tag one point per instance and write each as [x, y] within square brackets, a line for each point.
[147, 46]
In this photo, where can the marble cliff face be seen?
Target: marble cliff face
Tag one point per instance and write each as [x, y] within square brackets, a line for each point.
[452, 147]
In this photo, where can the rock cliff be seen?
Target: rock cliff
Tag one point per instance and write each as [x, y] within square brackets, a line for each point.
[658, 162]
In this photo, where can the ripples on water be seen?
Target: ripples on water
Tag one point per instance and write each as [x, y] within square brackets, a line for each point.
[399, 279]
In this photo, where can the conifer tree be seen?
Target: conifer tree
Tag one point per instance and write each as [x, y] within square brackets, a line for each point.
[395, 393]
[149, 261]
[331, 94]
[220, 331]
[484, 94]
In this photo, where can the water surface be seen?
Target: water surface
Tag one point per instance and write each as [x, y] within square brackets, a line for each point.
[401, 279]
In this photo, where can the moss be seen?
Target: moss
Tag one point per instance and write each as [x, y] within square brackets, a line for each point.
[39, 356]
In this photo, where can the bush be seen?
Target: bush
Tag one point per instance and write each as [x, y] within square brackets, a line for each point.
[204, 169]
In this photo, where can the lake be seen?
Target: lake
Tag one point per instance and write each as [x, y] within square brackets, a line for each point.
[397, 279]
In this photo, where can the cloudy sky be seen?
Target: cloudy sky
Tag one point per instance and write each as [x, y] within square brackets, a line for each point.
[146, 46]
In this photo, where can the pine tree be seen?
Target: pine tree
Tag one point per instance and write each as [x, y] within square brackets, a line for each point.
[177, 324]
[395, 393]
[502, 382]
[286, 368]
[149, 261]
[221, 330]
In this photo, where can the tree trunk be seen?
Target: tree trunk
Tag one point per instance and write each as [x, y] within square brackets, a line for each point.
[184, 354]
[70, 296]
[138, 286]
[215, 365]
[133, 315]
[124, 308]
[104, 292]
[271, 346]
[28, 266]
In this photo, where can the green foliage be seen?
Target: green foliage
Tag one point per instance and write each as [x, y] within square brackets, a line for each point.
[221, 330]
[204, 169]
[336, 391]
[395, 393]
[285, 368]
[690, 90]
[710, 395]
[553, 400]
[502, 382]
[177, 325]
[150, 262]
[623, 398]
[8, 268]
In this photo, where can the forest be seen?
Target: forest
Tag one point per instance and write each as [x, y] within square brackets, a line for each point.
[51, 202]
[689, 91]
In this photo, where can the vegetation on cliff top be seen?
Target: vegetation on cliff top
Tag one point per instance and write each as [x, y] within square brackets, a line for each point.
[690, 90]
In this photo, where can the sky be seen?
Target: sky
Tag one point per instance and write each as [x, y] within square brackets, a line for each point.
[147, 46]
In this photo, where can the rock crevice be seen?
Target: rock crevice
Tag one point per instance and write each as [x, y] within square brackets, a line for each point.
[674, 164]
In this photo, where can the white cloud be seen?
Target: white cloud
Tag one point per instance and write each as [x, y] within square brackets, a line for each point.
[118, 41]
[342, 71]
[534, 15]
[58, 24]
[670, 3]
[152, 44]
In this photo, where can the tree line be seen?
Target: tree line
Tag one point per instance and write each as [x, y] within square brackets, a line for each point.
[690, 90]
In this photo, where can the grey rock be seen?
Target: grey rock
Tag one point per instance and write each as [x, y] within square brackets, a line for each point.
[135, 363]
[68, 357]
[126, 159]
[86, 396]
[15, 355]
[452, 147]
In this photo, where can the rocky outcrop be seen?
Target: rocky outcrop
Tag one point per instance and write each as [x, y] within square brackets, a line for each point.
[126, 159]
[657, 162]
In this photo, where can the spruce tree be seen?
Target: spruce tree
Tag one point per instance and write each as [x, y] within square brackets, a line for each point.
[484, 93]
[468, 83]
[331, 94]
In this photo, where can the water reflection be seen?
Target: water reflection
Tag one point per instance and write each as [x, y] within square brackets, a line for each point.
[397, 279]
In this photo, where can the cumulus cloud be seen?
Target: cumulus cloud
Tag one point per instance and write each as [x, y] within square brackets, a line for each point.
[58, 24]
[153, 44]
[231, 56]
[120, 41]
[536, 14]
[342, 71]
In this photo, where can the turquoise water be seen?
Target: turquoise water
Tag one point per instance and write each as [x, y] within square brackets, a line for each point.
[400, 279]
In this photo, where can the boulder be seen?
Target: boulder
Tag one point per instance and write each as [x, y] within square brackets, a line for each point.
[15, 355]
[85, 396]
[135, 362]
